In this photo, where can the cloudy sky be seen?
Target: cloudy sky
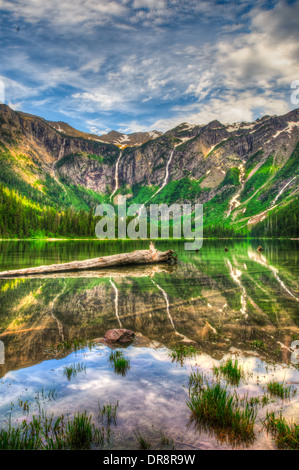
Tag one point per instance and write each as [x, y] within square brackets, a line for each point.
[135, 65]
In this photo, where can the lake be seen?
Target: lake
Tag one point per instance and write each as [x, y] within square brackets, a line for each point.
[223, 302]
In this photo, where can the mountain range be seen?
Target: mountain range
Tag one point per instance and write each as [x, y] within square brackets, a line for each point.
[244, 173]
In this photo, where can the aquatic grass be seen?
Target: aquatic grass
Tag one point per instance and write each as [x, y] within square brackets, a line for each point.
[50, 433]
[286, 434]
[230, 370]
[214, 406]
[15, 439]
[28, 435]
[73, 370]
[25, 405]
[279, 390]
[265, 400]
[79, 432]
[253, 401]
[166, 442]
[181, 352]
[196, 380]
[144, 443]
[19, 439]
[50, 395]
[164, 439]
[40, 396]
[108, 411]
[76, 434]
[120, 364]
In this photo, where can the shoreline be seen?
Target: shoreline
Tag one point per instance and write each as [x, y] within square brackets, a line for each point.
[142, 239]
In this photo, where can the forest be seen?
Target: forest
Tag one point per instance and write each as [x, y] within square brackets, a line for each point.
[21, 217]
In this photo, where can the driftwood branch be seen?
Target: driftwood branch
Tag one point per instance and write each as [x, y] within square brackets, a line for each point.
[146, 270]
[150, 256]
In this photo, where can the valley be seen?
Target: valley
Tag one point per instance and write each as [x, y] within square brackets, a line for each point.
[242, 173]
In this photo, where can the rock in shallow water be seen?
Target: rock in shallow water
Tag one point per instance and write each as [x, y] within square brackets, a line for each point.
[119, 336]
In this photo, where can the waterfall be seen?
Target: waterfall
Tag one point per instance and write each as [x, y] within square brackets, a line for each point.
[262, 215]
[187, 340]
[235, 275]
[281, 191]
[166, 175]
[116, 301]
[116, 175]
[167, 303]
[61, 151]
[163, 184]
[261, 259]
[234, 202]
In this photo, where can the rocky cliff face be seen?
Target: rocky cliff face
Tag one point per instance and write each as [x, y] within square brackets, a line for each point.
[211, 147]
[246, 168]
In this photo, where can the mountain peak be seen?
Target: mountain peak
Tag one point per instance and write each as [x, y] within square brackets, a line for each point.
[129, 140]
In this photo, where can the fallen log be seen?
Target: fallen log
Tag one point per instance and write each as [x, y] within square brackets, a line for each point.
[150, 256]
[139, 270]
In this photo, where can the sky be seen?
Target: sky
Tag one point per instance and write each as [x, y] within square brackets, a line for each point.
[139, 65]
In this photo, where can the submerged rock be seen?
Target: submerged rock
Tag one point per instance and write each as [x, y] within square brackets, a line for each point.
[120, 335]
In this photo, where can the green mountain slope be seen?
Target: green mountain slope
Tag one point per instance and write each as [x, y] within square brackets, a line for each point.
[242, 173]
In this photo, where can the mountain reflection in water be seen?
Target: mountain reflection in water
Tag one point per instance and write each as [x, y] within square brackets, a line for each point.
[221, 302]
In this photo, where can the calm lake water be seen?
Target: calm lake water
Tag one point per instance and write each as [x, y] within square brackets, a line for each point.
[236, 302]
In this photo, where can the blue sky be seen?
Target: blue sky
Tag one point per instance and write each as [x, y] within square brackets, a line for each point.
[135, 65]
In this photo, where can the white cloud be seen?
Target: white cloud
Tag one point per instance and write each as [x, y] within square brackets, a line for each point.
[64, 15]
[251, 72]
[226, 109]
[15, 92]
[96, 126]
[228, 64]
[67, 13]
[102, 98]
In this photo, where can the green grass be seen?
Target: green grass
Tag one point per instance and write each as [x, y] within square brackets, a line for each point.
[231, 370]
[252, 162]
[144, 443]
[73, 370]
[165, 441]
[215, 407]
[120, 364]
[141, 193]
[80, 432]
[279, 390]
[196, 380]
[49, 433]
[24, 405]
[108, 413]
[181, 352]
[286, 435]
[185, 189]
[49, 396]
[258, 179]
[263, 401]
[215, 208]
[253, 401]
[232, 177]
